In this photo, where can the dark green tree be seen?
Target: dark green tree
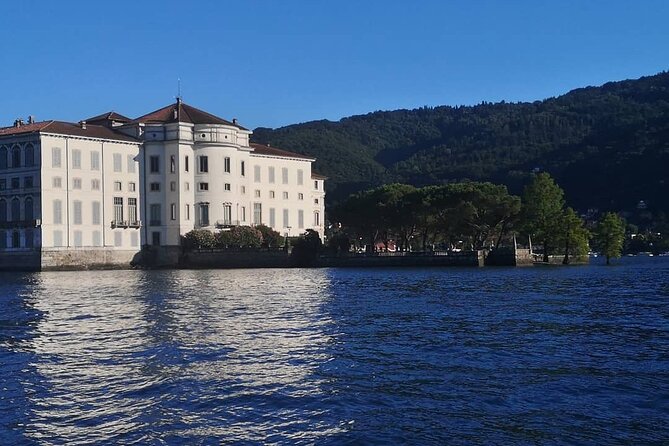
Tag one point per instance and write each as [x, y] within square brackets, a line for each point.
[574, 235]
[542, 211]
[609, 236]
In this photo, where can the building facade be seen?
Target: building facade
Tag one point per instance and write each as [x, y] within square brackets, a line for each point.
[96, 191]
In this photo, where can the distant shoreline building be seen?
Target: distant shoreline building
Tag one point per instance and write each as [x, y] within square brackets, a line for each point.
[95, 192]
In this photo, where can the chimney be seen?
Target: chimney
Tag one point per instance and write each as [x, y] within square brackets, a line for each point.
[234, 121]
[31, 119]
[18, 122]
[83, 125]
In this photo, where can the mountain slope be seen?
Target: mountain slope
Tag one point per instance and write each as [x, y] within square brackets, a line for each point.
[607, 146]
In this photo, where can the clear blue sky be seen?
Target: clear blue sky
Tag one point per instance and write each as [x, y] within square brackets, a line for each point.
[272, 63]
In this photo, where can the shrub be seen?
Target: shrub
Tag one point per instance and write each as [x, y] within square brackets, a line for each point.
[200, 239]
[270, 237]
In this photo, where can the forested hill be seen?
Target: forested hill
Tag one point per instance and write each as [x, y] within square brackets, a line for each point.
[607, 146]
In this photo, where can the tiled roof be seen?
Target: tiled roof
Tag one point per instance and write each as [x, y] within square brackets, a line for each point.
[186, 113]
[67, 128]
[265, 149]
[317, 176]
[109, 116]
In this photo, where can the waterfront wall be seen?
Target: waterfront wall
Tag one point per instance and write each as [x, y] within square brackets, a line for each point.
[228, 259]
[406, 259]
[54, 259]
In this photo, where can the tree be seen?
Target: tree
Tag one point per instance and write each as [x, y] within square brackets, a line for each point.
[270, 237]
[574, 235]
[543, 203]
[610, 235]
[200, 239]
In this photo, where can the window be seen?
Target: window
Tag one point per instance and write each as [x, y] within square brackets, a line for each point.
[76, 212]
[16, 209]
[317, 218]
[28, 182]
[76, 183]
[118, 209]
[57, 182]
[272, 217]
[203, 186]
[154, 215]
[16, 157]
[186, 185]
[132, 186]
[173, 186]
[227, 187]
[131, 164]
[3, 210]
[242, 168]
[284, 175]
[227, 214]
[243, 212]
[300, 177]
[226, 164]
[3, 158]
[155, 238]
[271, 194]
[132, 211]
[285, 195]
[271, 174]
[30, 155]
[57, 212]
[256, 174]
[203, 214]
[257, 213]
[134, 238]
[154, 187]
[95, 160]
[204, 164]
[16, 239]
[188, 212]
[118, 186]
[286, 222]
[57, 238]
[55, 157]
[315, 200]
[300, 219]
[95, 213]
[173, 211]
[118, 163]
[95, 184]
[3, 239]
[186, 166]
[16, 183]
[173, 164]
[28, 209]
[243, 189]
[3, 184]
[316, 184]
[300, 196]
[76, 159]
[97, 238]
[30, 238]
[257, 193]
[118, 238]
[154, 164]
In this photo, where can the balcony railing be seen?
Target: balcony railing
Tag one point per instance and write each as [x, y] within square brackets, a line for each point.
[34, 223]
[126, 224]
[226, 223]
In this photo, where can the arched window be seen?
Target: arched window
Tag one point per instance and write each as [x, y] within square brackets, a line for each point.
[3, 239]
[3, 211]
[30, 238]
[29, 156]
[16, 156]
[16, 239]
[29, 211]
[16, 209]
[3, 157]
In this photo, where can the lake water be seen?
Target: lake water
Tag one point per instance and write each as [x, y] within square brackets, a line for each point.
[537, 355]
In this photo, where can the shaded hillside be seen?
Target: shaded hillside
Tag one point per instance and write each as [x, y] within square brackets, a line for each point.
[608, 146]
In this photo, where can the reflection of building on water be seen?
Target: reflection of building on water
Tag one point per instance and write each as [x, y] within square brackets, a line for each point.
[194, 349]
[95, 192]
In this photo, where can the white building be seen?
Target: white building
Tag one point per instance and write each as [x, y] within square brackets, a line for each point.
[96, 191]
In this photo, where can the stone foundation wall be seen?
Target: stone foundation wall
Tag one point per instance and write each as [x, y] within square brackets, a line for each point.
[24, 260]
[235, 259]
[87, 258]
[473, 258]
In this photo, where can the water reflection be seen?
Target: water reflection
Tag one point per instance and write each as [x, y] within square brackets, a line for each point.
[141, 356]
